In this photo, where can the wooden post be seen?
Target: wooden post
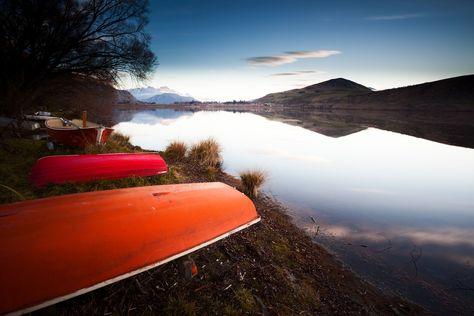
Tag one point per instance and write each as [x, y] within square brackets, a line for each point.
[84, 119]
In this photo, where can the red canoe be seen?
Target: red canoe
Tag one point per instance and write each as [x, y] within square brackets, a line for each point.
[83, 168]
[74, 134]
[56, 248]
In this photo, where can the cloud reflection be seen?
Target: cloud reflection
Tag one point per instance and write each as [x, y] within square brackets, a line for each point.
[440, 236]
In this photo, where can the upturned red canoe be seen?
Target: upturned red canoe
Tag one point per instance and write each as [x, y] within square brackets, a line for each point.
[83, 168]
[74, 134]
[56, 248]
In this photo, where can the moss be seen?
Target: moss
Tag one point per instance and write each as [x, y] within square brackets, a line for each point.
[281, 249]
[178, 306]
[229, 310]
[308, 293]
[246, 300]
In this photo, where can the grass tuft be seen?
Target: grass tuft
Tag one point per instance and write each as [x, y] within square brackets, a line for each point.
[207, 154]
[119, 139]
[117, 143]
[251, 182]
[176, 151]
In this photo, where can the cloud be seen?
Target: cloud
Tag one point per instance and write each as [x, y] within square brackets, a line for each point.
[312, 53]
[289, 57]
[395, 17]
[296, 73]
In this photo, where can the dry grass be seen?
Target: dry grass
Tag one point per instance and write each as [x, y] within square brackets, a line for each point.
[251, 181]
[116, 143]
[207, 154]
[120, 139]
[176, 151]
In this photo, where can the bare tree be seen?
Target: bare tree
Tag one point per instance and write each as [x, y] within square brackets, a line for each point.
[43, 40]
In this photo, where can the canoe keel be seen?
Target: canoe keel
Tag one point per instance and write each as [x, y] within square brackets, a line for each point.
[57, 248]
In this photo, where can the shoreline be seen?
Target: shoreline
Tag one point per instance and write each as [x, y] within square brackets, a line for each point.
[272, 267]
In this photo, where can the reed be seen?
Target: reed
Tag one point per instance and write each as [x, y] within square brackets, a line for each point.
[251, 181]
[176, 151]
[207, 154]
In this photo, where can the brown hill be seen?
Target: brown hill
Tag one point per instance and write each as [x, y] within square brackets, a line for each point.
[453, 94]
[317, 94]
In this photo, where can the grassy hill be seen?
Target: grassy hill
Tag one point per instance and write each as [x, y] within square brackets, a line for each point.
[321, 93]
[453, 94]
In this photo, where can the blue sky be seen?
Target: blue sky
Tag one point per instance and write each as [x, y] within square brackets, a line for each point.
[224, 50]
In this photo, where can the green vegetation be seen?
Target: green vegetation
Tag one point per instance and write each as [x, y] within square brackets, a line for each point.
[178, 306]
[17, 156]
[207, 155]
[246, 300]
[251, 182]
[176, 151]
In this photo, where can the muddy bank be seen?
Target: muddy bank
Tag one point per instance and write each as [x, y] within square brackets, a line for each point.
[271, 268]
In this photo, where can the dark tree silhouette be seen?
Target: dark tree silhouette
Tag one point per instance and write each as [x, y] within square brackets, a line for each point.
[46, 41]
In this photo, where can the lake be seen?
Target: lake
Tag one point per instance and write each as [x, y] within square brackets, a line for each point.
[396, 209]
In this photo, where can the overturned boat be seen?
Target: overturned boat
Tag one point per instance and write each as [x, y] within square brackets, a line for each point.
[57, 248]
[82, 168]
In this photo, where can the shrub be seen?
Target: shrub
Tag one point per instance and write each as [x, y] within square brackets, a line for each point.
[251, 182]
[176, 151]
[207, 154]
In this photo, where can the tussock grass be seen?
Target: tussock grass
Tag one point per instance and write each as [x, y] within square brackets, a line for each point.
[176, 151]
[117, 143]
[251, 181]
[120, 139]
[207, 154]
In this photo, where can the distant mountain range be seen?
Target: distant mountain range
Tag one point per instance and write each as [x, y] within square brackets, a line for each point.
[449, 94]
[161, 95]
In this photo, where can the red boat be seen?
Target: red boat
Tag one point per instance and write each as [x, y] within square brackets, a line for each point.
[77, 132]
[83, 168]
[56, 248]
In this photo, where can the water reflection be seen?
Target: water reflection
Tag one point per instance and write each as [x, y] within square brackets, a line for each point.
[376, 188]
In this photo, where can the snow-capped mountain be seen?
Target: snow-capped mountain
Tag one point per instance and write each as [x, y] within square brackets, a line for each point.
[168, 98]
[163, 95]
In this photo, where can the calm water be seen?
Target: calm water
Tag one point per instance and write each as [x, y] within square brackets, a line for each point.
[397, 209]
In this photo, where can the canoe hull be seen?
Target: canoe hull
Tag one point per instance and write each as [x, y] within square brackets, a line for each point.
[80, 137]
[83, 168]
[61, 247]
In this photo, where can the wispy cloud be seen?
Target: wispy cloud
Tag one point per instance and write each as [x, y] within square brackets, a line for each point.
[395, 17]
[290, 57]
[297, 73]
